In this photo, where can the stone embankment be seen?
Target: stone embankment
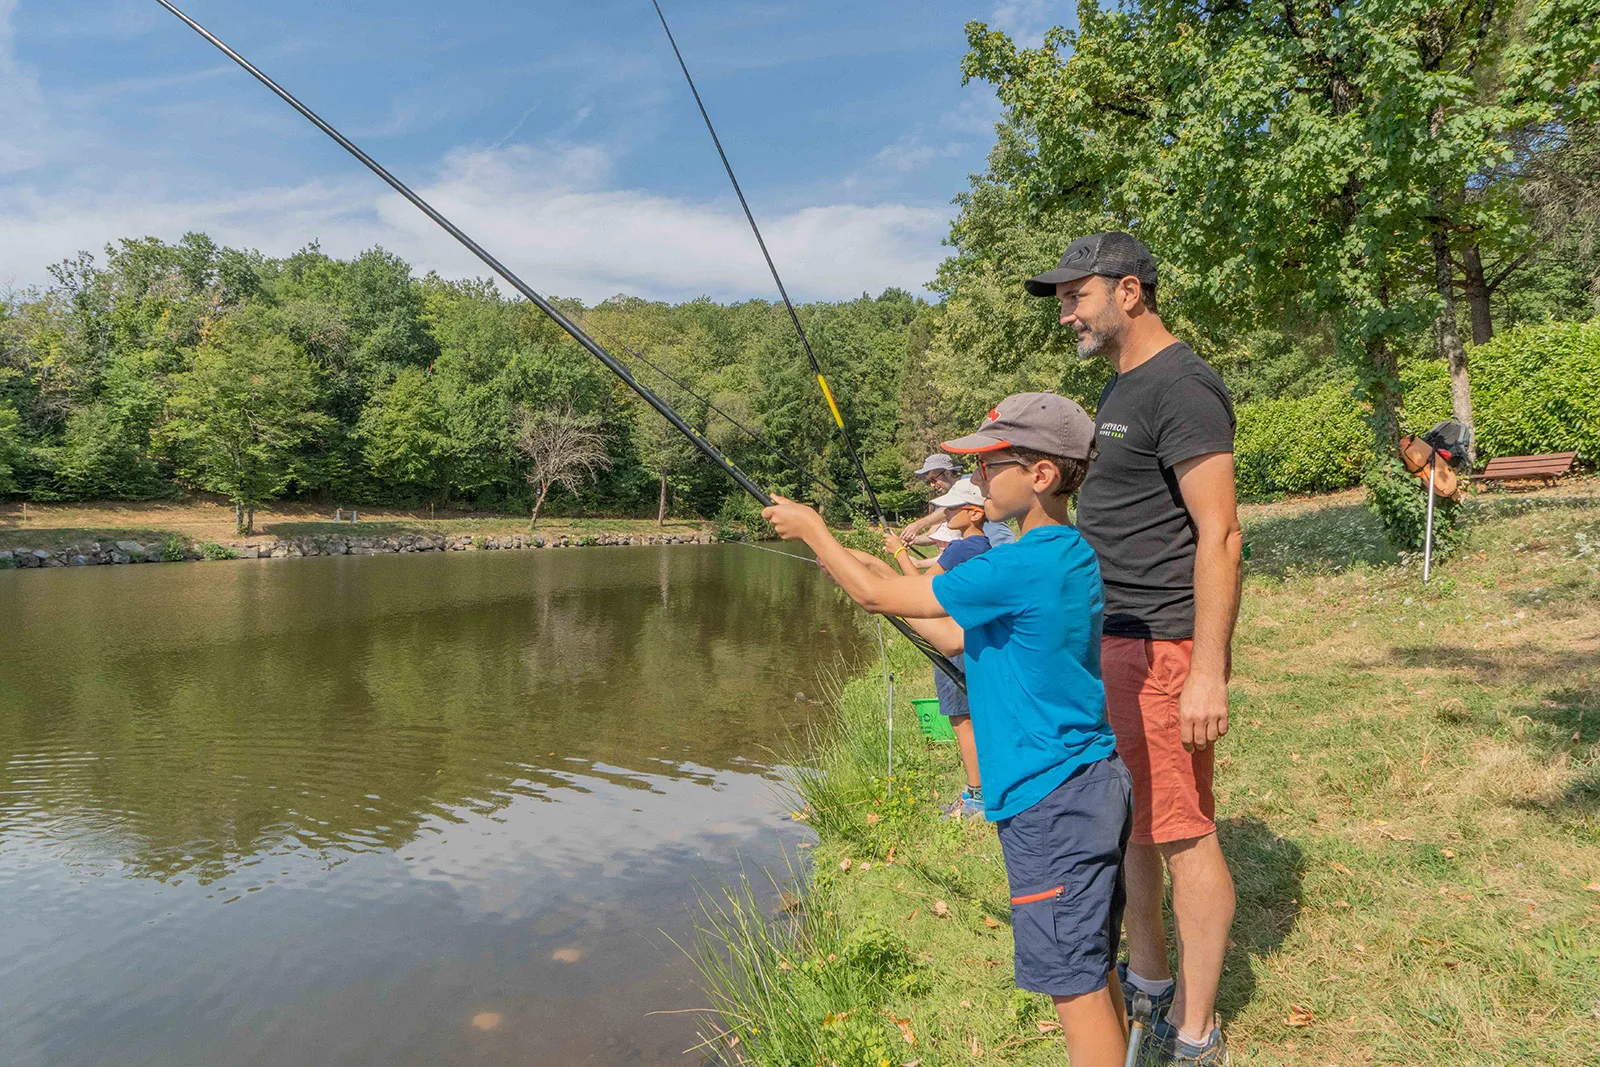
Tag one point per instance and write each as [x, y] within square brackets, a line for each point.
[110, 552]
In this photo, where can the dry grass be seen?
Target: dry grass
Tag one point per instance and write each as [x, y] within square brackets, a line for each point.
[198, 520]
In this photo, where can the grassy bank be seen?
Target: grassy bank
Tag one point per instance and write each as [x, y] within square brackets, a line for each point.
[1409, 799]
[54, 526]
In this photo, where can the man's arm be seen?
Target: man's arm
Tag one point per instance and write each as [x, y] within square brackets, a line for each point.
[911, 534]
[1206, 484]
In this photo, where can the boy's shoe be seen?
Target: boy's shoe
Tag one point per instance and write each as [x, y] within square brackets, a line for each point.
[964, 806]
[1158, 1004]
[1163, 1048]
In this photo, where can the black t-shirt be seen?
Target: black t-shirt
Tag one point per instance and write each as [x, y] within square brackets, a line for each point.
[1170, 408]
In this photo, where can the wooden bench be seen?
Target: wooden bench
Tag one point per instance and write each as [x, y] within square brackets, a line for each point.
[1527, 468]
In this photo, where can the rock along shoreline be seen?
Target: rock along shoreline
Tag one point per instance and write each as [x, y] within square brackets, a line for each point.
[102, 553]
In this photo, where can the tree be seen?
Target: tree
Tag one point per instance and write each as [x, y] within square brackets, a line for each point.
[405, 436]
[12, 450]
[1284, 158]
[240, 416]
[562, 448]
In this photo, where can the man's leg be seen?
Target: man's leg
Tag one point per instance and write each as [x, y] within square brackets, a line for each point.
[962, 725]
[1202, 907]
[1147, 932]
[1093, 1026]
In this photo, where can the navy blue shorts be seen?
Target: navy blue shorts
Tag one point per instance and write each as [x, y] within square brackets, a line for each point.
[1064, 863]
[952, 698]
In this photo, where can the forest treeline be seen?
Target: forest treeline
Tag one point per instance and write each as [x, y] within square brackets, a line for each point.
[1350, 207]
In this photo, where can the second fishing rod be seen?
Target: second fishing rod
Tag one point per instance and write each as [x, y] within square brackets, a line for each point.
[649, 396]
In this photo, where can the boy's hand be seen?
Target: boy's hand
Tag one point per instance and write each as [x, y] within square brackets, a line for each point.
[793, 521]
[892, 543]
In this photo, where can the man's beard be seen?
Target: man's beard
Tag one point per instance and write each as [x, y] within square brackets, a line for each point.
[1099, 336]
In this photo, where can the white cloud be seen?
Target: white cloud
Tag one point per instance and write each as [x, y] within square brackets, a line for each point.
[26, 136]
[1025, 20]
[550, 214]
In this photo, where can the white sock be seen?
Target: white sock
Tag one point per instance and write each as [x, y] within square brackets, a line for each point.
[1196, 1042]
[1149, 986]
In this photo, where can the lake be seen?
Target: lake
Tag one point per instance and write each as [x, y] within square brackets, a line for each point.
[442, 808]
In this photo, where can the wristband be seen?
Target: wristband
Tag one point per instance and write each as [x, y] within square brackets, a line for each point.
[901, 549]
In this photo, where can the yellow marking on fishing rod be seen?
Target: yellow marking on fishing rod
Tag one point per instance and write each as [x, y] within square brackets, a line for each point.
[828, 395]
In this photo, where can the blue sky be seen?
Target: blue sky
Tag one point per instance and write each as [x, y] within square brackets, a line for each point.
[559, 134]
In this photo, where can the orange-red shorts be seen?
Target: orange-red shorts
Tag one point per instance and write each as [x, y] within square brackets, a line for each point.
[1172, 794]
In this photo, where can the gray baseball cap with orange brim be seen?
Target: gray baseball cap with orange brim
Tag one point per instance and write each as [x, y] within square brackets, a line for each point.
[1038, 422]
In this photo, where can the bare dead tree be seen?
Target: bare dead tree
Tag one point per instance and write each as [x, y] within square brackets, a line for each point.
[563, 447]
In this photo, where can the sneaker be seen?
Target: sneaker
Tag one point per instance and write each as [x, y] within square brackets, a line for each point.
[1158, 1004]
[1163, 1048]
[964, 806]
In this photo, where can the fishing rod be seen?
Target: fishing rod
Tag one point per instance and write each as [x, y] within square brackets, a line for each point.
[665, 410]
[794, 317]
[798, 467]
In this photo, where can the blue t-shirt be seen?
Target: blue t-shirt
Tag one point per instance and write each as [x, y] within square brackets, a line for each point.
[952, 701]
[958, 552]
[1032, 611]
[998, 533]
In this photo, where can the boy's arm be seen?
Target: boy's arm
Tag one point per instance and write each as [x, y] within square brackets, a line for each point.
[912, 534]
[944, 634]
[910, 597]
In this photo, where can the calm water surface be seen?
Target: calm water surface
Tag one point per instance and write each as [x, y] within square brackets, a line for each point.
[419, 809]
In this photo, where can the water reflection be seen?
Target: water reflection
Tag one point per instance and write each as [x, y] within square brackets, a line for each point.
[417, 809]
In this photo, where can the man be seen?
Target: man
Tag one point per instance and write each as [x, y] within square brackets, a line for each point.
[1027, 618]
[941, 475]
[1158, 506]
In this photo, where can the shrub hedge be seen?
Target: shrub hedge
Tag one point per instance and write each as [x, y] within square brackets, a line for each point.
[1311, 444]
[1535, 389]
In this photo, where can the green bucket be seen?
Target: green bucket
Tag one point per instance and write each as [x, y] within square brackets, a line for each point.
[935, 726]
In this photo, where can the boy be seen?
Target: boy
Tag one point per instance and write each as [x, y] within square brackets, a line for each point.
[1027, 617]
[964, 505]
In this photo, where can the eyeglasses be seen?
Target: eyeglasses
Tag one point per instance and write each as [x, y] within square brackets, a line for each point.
[985, 465]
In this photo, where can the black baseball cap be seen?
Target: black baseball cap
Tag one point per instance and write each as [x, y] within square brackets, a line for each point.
[1111, 255]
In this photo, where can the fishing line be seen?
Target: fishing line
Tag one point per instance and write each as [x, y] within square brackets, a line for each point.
[794, 317]
[764, 442]
[816, 368]
[648, 395]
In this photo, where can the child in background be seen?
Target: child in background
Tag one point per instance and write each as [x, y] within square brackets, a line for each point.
[1027, 616]
[964, 506]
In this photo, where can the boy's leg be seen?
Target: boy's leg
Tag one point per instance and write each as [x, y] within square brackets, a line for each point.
[1094, 1027]
[962, 725]
[1064, 866]
[1202, 908]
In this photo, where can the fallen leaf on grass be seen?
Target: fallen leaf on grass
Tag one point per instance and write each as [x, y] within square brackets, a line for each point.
[941, 909]
[991, 923]
[1395, 837]
[904, 1025]
[873, 818]
[1299, 1016]
[1341, 903]
[913, 915]
[1448, 853]
[866, 866]
[966, 1003]
[1342, 869]
[973, 1046]
[1593, 887]
[845, 864]
[834, 1018]
[889, 859]
[1048, 1026]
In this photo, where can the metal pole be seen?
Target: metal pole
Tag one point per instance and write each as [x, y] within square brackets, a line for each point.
[1427, 542]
